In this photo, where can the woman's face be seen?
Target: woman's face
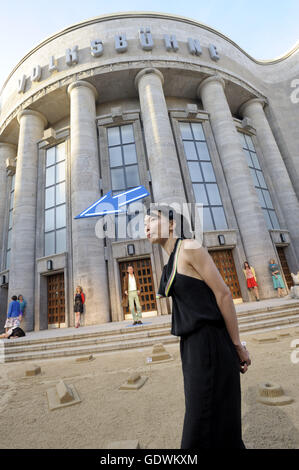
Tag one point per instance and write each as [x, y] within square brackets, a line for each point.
[21, 298]
[78, 290]
[156, 227]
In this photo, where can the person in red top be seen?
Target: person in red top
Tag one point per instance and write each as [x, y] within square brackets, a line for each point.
[79, 302]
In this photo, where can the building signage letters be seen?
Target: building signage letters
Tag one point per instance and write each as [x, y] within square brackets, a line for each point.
[121, 45]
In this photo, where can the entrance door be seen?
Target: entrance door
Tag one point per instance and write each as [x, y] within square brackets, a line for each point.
[56, 301]
[225, 263]
[285, 266]
[143, 272]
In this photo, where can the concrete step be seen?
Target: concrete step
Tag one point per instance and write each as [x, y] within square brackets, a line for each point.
[17, 348]
[267, 315]
[142, 336]
[90, 349]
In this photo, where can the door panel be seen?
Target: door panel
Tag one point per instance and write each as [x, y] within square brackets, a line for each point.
[56, 299]
[143, 272]
[285, 266]
[225, 263]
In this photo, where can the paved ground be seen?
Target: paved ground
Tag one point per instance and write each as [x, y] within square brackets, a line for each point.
[153, 415]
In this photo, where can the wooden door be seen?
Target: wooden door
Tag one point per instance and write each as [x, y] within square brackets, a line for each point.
[225, 263]
[143, 272]
[285, 266]
[56, 300]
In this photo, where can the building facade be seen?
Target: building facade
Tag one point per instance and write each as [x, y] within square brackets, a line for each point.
[153, 99]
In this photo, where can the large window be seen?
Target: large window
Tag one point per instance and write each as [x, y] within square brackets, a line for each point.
[55, 200]
[259, 181]
[202, 176]
[123, 163]
[11, 204]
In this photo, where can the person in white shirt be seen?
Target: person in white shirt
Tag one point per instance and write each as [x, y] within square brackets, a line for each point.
[132, 289]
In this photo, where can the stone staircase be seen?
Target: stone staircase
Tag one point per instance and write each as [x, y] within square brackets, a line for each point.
[116, 336]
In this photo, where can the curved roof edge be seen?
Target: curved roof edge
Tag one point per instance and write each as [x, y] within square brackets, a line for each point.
[141, 14]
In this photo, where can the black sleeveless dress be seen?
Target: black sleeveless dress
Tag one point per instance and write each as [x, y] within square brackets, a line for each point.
[210, 363]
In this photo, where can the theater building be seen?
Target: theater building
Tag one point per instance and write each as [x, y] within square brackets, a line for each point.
[148, 99]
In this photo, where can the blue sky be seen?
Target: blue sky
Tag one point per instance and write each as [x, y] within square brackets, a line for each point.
[265, 29]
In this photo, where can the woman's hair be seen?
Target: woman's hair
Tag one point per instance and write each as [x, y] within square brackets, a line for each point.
[182, 225]
[79, 287]
[272, 261]
[247, 263]
[14, 297]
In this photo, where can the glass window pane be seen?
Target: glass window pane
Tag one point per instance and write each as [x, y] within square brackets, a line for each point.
[195, 173]
[267, 218]
[129, 154]
[261, 199]
[203, 151]
[242, 139]
[12, 197]
[9, 240]
[13, 181]
[190, 150]
[50, 176]
[255, 160]
[207, 220]
[60, 172]
[249, 142]
[113, 136]
[118, 178]
[10, 220]
[274, 219]
[60, 152]
[213, 194]
[50, 153]
[60, 216]
[115, 157]
[60, 193]
[248, 158]
[255, 180]
[132, 175]
[198, 131]
[186, 130]
[50, 197]
[49, 243]
[61, 241]
[262, 182]
[219, 217]
[127, 134]
[49, 220]
[208, 171]
[200, 193]
[8, 259]
[267, 199]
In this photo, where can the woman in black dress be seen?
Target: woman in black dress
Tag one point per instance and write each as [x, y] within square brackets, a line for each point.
[204, 316]
[78, 306]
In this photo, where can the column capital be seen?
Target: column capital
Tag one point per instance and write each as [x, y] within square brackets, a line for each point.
[147, 71]
[83, 83]
[212, 78]
[31, 112]
[243, 106]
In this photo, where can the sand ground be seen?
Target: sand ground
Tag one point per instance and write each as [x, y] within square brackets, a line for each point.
[153, 414]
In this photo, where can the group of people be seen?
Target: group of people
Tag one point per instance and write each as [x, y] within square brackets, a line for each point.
[250, 275]
[16, 312]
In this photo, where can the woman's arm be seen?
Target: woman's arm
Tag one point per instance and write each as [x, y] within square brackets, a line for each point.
[199, 258]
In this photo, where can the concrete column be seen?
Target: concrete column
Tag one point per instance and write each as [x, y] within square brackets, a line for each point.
[6, 151]
[89, 268]
[255, 235]
[163, 160]
[275, 166]
[22, 265]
